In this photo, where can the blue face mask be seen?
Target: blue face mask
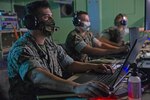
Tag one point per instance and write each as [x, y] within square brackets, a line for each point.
[124, 21]
[86, 26]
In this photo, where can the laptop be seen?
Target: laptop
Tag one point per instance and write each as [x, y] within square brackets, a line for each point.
[112, 81]
[115, 78]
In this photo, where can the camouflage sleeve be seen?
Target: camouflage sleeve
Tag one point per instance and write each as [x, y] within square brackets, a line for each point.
[79, 43]
[105, 34]
[64, 59]
[22, 60]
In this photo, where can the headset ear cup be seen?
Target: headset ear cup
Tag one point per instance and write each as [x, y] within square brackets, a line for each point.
[30, 22]
[76, 21]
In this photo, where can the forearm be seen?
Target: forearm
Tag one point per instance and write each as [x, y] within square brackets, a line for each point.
[99, 51]
[81, 67]
[45, 79]
[103, 45]
[108, 46]
[108, 42]
[141, 29]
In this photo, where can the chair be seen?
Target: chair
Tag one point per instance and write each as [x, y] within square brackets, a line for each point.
[4, 84]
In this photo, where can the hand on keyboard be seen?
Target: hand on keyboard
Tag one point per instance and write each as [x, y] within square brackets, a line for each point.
[102, 68]
[103, 72]
[109, 71]
[92, 89]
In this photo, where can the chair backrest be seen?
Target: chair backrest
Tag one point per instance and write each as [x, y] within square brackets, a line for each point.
[4, 84]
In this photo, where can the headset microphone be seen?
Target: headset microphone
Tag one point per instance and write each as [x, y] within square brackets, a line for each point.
[56, 28]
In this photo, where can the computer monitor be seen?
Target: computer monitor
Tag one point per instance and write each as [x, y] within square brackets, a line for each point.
[133, 35]
[147, 15]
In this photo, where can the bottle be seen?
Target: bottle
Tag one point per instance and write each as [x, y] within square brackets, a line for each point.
[134, 84]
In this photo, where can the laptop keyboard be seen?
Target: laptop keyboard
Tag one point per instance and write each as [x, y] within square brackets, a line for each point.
[107, 78]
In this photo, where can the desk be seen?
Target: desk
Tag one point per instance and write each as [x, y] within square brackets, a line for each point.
[122, 96]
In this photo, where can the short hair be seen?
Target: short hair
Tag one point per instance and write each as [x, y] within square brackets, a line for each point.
[32, 8]
[79, 13]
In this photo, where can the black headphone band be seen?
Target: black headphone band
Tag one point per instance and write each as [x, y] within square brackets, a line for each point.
[76, 20]
[30, 21]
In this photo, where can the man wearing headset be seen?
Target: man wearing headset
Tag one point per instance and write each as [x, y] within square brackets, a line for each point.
[80, 42]
[115, 35]
[35, 61]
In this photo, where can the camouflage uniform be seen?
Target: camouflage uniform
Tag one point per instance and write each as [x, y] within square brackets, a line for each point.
[24, 56]
[114, 35]
[75, 42]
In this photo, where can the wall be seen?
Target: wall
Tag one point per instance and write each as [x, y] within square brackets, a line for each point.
[134, 9]
[65, 23]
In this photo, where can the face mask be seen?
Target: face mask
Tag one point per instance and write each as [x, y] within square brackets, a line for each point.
[47, 27]
[86, 26]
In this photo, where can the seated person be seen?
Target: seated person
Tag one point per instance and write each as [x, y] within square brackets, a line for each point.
[81, 43]
[115, 35]
[36, 62]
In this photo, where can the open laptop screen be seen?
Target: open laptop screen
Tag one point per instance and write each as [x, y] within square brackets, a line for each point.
[130, 58]
[113, 80]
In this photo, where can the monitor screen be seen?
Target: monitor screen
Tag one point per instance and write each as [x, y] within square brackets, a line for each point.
[147, 15]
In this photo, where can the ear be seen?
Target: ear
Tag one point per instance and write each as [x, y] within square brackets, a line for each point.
[30, 22]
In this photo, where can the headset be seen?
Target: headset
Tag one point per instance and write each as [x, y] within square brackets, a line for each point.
[30, 21]
[122, 22]
[76, 20]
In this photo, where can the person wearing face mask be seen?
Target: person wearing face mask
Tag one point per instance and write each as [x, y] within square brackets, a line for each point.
[81, 44]
[115, 35]
[36, 63]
